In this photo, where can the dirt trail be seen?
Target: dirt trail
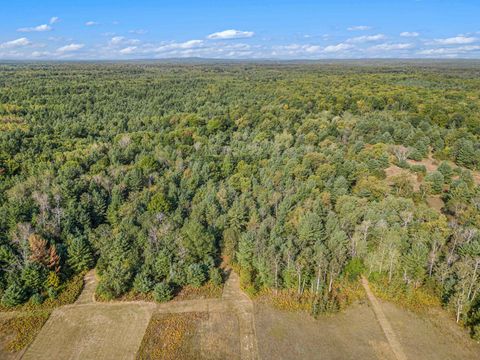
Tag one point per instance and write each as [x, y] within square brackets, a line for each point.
[88, 293]
[245, 311]
[384, 323]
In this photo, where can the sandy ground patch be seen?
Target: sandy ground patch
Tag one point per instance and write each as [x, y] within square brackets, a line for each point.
[435, 202]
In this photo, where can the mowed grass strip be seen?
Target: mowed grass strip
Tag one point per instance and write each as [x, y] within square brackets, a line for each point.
[170, 336]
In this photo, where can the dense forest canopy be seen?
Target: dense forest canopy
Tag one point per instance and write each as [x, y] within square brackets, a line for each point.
[295, 173]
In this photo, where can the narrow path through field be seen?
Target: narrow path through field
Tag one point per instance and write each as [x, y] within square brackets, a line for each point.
[88, 293]
[114, 330]
[384, 323]
[245, 311]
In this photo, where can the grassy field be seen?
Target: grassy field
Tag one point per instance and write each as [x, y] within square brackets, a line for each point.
[193, 335]
[220, 328]
[93, 331]
[170, 336]
[355, 334]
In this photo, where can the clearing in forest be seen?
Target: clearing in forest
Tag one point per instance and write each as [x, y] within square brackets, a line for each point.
[229, 328]
[359, 333]
[209, 328]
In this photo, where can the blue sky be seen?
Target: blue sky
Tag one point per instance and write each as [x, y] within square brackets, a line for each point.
[302, 29]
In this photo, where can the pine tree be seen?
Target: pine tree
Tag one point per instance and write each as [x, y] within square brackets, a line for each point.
[14, 294]
[38, 249]
[162, 292]
[79, 255]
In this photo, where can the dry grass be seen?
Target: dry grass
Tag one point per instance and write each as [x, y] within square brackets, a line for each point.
[170, 336]
[345, 293]
[92, 331]
[206, 291]
[133, 296]
[418, 300]
[19, 331]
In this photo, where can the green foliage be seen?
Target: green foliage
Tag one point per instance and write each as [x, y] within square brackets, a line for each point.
[354, 269]
[162, 292]
[79, 255]
[284, 172]
[159, 204]
[36, 299]
[34, 276]
[446, 170]
[215, 276]
[435, 180]
[143, 283]
[14, 294]
[195, 275]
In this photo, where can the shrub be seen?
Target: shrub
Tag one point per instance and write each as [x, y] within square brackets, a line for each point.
[162, 292]
[435, 180]
[354, 269]
[52, 293]
[102, 292]
[14, 294]
[446, 170]
[143, 283]
[215, 276]
[195, 275]
[36, 299]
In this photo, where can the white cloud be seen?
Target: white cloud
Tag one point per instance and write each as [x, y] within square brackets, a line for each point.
[138, 31]
[191, 44]
[128, 50]
[70, 48]
[457, 40]
[54, 20]
[15, 43]
[121, 40]
[292, 49]
[37, 54]
[231, 34]
[91, 23]
[359, 28]
[450, 50]
[409, 34]
[337, 48]
[117, 40]
[367, 38]
[39, 28]
[391, 47]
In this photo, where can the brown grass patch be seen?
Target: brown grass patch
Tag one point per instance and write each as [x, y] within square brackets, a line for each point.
[19, 331]
[170, 336]
[345, 293]
[206, 291]
[435, 202]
